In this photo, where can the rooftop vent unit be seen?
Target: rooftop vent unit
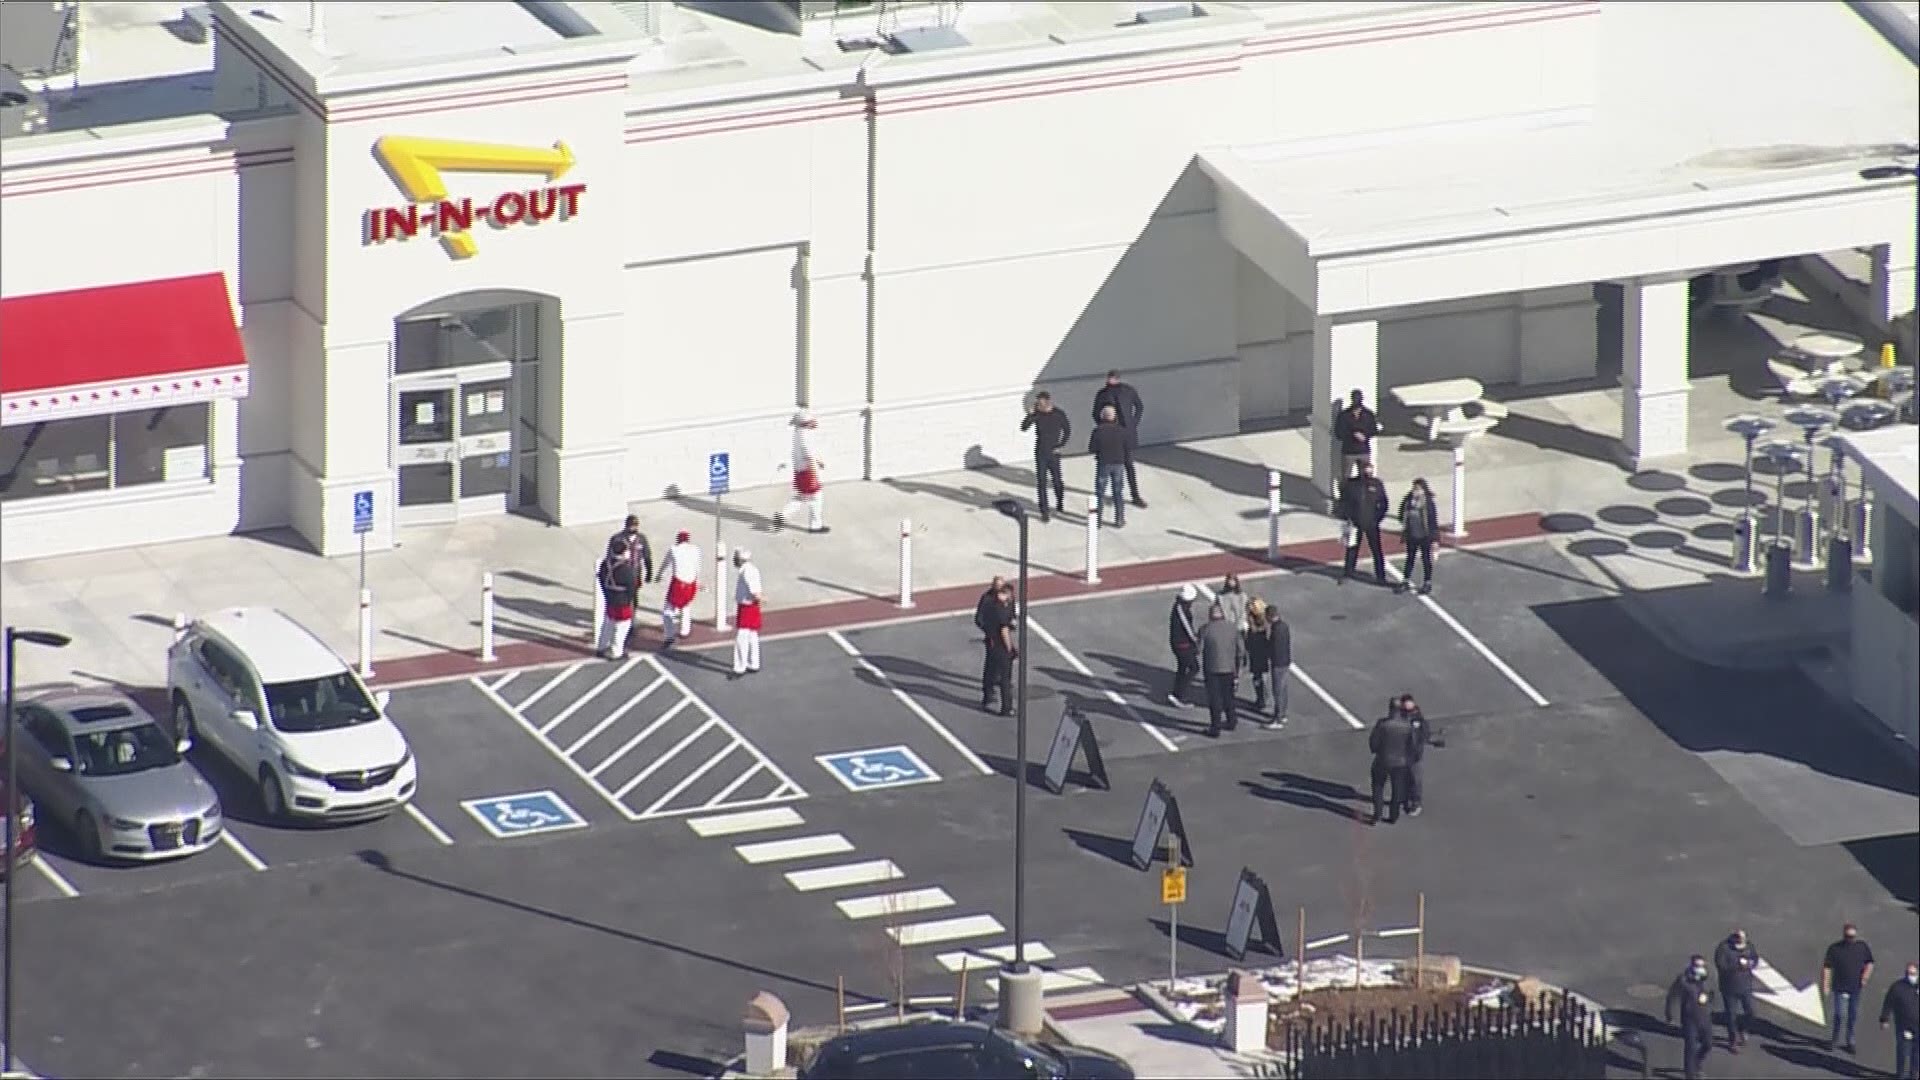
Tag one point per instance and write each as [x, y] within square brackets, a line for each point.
[23, 111]
[40, 40]
[1144, 14]
[926, 39]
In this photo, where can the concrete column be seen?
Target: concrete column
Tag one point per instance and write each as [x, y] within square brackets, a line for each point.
[1346, 357]
[589, 455]
[1892, 291]
[1653, 422]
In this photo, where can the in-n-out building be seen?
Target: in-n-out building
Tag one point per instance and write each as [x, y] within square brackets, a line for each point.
[262, 262]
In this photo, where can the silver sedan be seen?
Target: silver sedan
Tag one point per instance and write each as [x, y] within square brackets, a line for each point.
[98, 764]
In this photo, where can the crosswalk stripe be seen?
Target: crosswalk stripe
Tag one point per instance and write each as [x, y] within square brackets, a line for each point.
[932, 933]
[1079, 978]
[745, 821]
[844, 875]
[801, 847]
[980, 959]
[896, 903]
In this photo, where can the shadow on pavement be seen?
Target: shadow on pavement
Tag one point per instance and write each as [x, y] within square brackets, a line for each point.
[1308, 793]
[1108, 847]
[684, 1063]
[1036, 770]
[1894, 861]
[1818, 1059]
[1212, 941]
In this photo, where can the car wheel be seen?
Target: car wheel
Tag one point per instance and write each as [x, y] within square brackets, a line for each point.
[182, 718]
[273, 800]
[87, 834]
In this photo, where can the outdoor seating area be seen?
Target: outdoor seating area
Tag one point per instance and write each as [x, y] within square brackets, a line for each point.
[1450, 411]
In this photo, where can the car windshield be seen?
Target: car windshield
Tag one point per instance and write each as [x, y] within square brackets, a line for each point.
[323, 704]
[123, 750]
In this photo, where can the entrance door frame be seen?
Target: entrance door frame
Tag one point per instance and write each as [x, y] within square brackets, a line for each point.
[457, 448]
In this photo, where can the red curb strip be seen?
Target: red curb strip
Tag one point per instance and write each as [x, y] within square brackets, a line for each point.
[1086, 1010]
[844, 614]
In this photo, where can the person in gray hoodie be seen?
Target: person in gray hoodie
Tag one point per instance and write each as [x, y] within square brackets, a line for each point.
[1223, 652]
[1233, 602]
[1419, 527]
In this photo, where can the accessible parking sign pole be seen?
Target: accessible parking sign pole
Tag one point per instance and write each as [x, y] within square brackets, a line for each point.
[719, 480]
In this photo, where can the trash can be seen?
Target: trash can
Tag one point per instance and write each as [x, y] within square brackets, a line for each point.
[1779, 570]
[1839, 563]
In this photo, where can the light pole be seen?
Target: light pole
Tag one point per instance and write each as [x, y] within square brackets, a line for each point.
[1019, 984]
[52, 641]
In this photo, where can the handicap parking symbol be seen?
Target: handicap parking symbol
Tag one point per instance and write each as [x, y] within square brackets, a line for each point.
[884, 767]
[524, 815]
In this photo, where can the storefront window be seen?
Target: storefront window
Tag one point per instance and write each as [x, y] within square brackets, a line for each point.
[101, 453]
[462, 339]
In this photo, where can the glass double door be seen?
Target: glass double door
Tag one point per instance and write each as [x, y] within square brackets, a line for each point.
[453, 443]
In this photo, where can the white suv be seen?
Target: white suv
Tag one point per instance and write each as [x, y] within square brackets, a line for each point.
[288, 712]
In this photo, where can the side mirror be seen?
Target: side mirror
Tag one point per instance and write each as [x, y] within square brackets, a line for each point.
[246, 719]
[381, 698]
[183, 745]
[61, 764]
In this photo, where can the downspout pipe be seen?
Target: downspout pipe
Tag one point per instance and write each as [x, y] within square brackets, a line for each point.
[864, 86]
[1892, 23]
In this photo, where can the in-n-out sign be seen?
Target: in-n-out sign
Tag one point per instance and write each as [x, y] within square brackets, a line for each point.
[417, 165]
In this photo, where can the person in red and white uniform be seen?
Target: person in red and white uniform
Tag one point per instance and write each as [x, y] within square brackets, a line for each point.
[746, 614]
[682, 571]
[807, 481]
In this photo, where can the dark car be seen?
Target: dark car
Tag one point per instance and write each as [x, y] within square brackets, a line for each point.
[953, 1050]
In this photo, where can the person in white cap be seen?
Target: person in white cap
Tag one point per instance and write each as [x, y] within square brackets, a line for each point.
[681, 568]
[807, 484]
[1183, 636]
[746, 614]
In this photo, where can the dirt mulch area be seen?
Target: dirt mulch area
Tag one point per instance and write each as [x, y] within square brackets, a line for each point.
[1316, 1008]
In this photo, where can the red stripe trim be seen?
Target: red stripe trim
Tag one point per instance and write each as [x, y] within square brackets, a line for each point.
[228, 35]
[49, 186]
[1173, 76]
[1381, 35]
[1456, 20]
[714, 127]
[244, 159]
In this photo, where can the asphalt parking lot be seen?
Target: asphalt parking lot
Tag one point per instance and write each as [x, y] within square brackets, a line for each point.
[641, 845]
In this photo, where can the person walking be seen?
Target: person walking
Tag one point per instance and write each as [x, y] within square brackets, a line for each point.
[1128, 410]
[1422, 737]
[1419, 526]
[996, 673]
[1051, 430]
[1391, 741]
[983, 608]
[619, 588]
[681, 568]
[1692, 995]
[638, 549]
[1901, 1006]
[1354, 429]
[1844, 975]
[1183, 637]
[1233, 602]
[808, 486]
[1108, 444]
[1281, 636]
[1734, 961]
[1364, 502]
[747, 598]
[1222, 654]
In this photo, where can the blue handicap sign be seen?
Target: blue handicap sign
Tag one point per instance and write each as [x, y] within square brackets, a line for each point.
[719, 473]
[884, 767]
[523, 815]
[363, 511]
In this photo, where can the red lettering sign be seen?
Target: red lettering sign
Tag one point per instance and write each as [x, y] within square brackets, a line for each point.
[453, 217]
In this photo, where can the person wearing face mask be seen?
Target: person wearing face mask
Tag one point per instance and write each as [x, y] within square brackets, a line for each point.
[1416, 751]
[1902, 1007]
[1734, 960]
[1843, 975]
[1692, 994]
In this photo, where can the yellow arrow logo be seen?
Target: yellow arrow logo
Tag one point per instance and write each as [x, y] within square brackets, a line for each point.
[416, 164]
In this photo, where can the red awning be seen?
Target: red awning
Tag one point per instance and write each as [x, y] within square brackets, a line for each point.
[118, 347]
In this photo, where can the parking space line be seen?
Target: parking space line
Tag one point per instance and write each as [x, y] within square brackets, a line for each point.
[931, 933]
[701, 704]
[613, 716]
[657, 724]
[663, 759]
[1087, 673]
[1053, 979]
[564, 675]
[980, 959]
[1478, 645]
[576, 704]
[571, 765]
[894, 903]
[428, 824]
[500, 683]
[56, 878]
[738, 783]
[1306, 680]
[803, 847]
[844, 875]
[912, 705]
[246, 854]
[745, 821]
[691, 778]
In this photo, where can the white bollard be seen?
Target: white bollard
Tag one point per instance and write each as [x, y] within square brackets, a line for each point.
[487, 655]
[366, 633]
[1273, 516]
[179, 626]
[721, 593]
[906, 562]
[1093, 539]
[1246, 1028]
[599, 611]
[1459, 492]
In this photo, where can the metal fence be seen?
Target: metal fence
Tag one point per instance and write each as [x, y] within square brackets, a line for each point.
[1554, 1039]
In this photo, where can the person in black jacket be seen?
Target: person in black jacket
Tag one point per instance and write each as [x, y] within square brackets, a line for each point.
[1112, 459]
[620, 587]
[1693, 995]
[638, 549]
[1419, 525]
[983, 608]
[1128, 409]
[1354, 429]
[996, 673]
[1902, 1007]
[1844, 974]
[1051, 430]
[1183, 637]
[1392, 744]
[1364, 504]
[1416, 752]
[1733, 961]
